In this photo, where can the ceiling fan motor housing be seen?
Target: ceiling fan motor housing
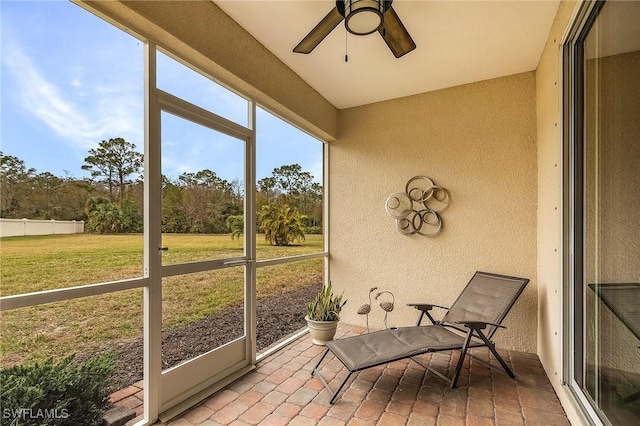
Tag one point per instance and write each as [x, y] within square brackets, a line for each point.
[363, 17]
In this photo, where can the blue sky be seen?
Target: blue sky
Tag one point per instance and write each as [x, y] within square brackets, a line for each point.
[70, 80]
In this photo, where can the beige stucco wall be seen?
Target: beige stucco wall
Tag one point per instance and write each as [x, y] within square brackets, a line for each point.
[476, 140]
[202, 34]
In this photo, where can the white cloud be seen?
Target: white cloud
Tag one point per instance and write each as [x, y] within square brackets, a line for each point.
[82, 124]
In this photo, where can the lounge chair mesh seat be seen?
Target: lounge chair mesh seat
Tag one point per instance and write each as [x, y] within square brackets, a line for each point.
[623, 299]
[381, 347]
[470, 322]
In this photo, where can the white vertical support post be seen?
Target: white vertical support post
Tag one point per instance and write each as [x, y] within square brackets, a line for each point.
[250, 236]
[152, 241]
[325, 211]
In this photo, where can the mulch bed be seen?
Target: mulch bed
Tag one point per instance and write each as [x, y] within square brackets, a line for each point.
[278, 315]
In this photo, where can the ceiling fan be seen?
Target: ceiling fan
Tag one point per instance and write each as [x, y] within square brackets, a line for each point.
[362, 17]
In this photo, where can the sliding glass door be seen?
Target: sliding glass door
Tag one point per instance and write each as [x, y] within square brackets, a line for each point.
[604, 183]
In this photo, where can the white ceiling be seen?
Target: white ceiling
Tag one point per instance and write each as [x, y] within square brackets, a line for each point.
[458, 42]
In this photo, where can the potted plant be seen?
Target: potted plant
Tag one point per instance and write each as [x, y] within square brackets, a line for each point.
[323, 314]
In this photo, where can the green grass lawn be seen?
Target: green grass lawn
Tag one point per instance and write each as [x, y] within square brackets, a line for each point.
[82, 325]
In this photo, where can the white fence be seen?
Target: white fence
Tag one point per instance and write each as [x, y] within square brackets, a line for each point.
[21, 227]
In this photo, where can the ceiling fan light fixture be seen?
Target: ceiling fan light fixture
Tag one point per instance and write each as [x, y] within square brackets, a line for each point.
[362, 17]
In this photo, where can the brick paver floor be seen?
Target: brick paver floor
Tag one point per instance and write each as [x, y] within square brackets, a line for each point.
[281, 391]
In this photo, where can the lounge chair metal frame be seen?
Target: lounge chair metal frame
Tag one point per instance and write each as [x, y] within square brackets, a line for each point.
[464, 326]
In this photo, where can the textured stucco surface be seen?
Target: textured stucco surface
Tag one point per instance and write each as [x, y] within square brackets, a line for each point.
[478, 141]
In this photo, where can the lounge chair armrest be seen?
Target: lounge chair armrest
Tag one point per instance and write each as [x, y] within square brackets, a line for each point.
[478, 325]
[425, 306]
[424, 309]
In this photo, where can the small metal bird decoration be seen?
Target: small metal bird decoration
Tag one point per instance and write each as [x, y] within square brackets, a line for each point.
[386, 306]
[366, 308]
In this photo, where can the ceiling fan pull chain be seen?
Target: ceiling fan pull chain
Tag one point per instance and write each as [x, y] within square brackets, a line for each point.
[346, 46]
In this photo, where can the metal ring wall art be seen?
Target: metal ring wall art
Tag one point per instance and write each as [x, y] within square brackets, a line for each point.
[418, 209]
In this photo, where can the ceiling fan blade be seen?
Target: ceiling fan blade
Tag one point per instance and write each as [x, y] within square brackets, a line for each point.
[395, 34]
[319, 32]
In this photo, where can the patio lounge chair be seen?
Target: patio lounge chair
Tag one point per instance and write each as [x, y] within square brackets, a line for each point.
[470, 322]
[623, 299]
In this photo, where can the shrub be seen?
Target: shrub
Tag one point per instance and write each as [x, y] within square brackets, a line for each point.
[56, 393]
[236, 225]
[107, 218]
[313, 230]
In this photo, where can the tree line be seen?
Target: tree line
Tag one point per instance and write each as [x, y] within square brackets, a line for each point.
[111, 199]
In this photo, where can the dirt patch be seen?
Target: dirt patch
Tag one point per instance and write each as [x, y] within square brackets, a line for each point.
[278, 315]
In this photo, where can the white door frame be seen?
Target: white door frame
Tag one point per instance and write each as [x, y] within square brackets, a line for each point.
[170, 391]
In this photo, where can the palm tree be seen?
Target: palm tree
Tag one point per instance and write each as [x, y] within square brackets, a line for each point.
[282, 225]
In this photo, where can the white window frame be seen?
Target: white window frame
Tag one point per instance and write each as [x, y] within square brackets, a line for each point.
[155, 101]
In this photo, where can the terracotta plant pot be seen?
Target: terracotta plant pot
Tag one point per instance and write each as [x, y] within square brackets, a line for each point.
[321, 331]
